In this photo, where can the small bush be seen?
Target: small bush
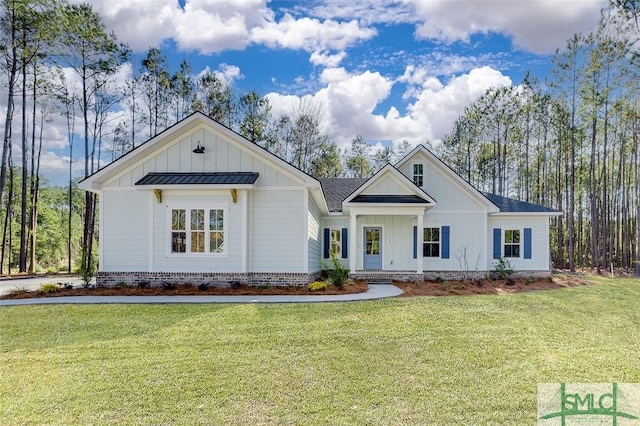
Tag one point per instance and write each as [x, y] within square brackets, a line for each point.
[203, 286]
[439, 279]
[317, 286]
[263, 286]
[479, 282]
[49, 288]
[121, 284]
[511, 281]
[337, 274]
[168, 286]
[65, 286]
[143, 284]
[503, 269]
[235, 284]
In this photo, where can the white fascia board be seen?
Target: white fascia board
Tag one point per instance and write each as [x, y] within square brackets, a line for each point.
[388, 210]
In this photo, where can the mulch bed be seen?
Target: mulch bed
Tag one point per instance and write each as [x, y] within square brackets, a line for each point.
[190, 290]
[448, 288]
[426, 288]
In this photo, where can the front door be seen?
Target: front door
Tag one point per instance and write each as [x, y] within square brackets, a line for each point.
[372, 248]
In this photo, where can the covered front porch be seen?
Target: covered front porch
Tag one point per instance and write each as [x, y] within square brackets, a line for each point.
[384, 240]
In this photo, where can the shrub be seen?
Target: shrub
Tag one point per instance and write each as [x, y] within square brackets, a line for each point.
[263, 286]
[235, 284]
[479, 282]
[511, 281]
[143, 284]
[317, 286]
[122, 284]
[502, 269]
[203, 286]
[439, 279]
[49, 288]
[337, 274]
[168, 285]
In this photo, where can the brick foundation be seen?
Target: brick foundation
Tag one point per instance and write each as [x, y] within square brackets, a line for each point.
[410, 276]
[155, 279]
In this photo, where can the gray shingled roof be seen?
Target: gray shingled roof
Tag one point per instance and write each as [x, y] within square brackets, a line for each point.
[385, 199]
[509, 205]
[338, 189]
[216, 178]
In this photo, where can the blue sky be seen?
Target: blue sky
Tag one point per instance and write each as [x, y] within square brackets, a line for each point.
[385, 69]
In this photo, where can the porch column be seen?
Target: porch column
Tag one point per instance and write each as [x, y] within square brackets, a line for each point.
[353, 233]
[419, 237]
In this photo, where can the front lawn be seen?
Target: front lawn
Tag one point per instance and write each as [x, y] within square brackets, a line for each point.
[423, 360]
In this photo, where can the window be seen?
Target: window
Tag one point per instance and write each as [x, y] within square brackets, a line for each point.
[418, 175]
[336, 242]
[431, 242]
[512, 243]
[197, 231]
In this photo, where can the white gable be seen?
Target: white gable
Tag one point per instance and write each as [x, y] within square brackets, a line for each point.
[387, 184]
[172, 151]
[452, 192]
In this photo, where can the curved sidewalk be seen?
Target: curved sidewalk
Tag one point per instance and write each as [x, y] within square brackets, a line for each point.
[375, 291]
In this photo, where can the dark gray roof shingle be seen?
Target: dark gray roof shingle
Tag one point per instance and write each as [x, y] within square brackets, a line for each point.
[510, 205]
[214, 178]
[338, 189]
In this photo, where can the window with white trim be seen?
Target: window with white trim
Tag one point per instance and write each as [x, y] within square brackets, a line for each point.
[512, 243]
[431, 242]
[336, 242]
[418, 174]
[197, 231]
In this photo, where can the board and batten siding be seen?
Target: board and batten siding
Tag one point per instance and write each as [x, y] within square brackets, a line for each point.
[386, 186]
[466, 234]
[540, 255]
[277, 224]
[124, 244]
[449, 195]
[164, 261]
[397, 240]
[220, 155]
[314, 243]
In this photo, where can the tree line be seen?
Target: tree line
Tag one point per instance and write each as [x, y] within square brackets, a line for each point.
[570, 142]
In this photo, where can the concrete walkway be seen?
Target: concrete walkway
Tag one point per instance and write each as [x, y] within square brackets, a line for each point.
[376, 291]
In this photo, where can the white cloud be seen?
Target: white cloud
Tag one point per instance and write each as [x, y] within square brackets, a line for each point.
[225, 72]
[351, 102]
[539, 26]
[210, 26]
[139, 23]
[327, 60]
[310, 34]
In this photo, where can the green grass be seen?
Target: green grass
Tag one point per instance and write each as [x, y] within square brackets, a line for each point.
[448, 360]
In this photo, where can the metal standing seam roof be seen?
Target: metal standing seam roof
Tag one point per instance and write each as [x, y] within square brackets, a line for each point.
[213, 178]
[389, 199]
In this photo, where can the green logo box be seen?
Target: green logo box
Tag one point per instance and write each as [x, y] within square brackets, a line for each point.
[568, 404]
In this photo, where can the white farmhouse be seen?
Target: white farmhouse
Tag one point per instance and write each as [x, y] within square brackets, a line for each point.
[200, 203]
